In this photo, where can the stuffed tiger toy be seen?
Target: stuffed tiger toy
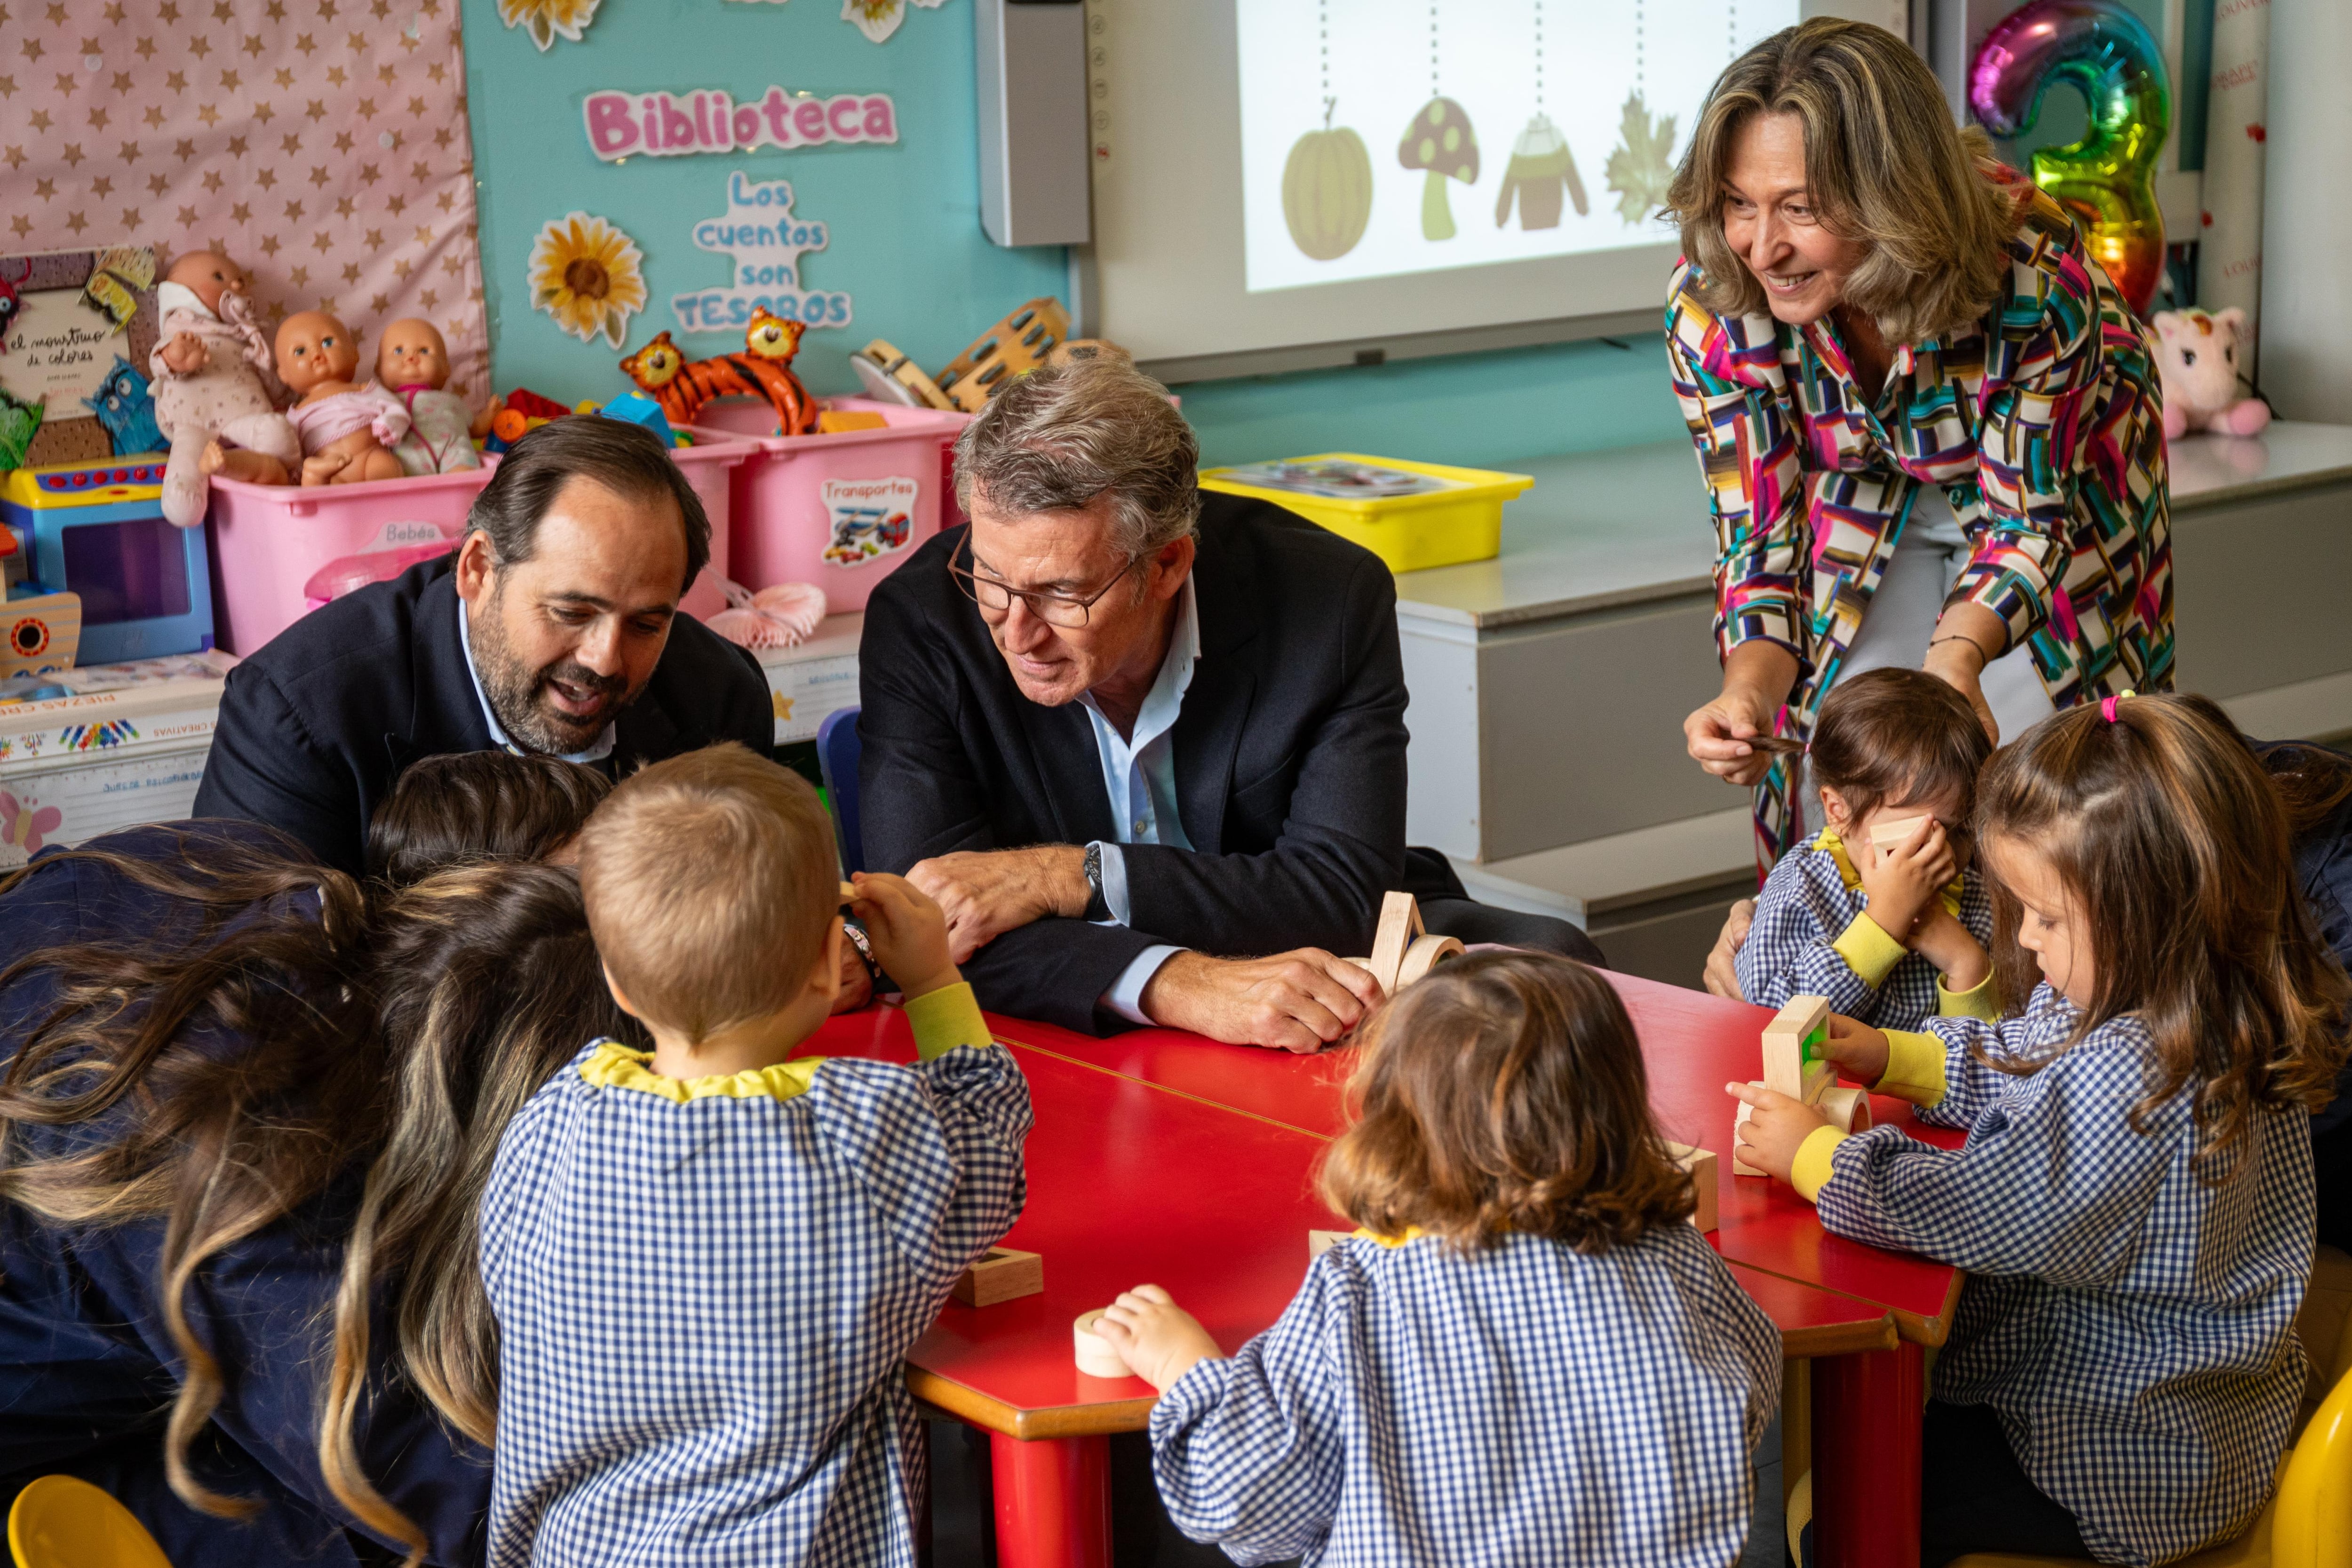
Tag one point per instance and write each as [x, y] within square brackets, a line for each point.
[682, 386]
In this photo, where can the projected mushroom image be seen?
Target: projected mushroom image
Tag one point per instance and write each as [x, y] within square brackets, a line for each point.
[1440, 140]
[1539, 173]
[1327, 189]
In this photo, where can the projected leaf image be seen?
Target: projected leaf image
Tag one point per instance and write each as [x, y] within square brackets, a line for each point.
[1643, 167]
[1327, 189]
[1440, 140]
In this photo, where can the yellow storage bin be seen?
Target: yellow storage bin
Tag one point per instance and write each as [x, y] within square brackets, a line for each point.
[1411, 515]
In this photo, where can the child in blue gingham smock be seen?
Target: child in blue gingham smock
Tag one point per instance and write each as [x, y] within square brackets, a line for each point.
[1892, 937]
[707, 1260]
[2134, 1205]
[1528, 1357]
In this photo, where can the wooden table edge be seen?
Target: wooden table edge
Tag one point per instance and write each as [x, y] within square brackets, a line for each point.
[1051, 1421]
[1839, 1338]
[1918, 1331]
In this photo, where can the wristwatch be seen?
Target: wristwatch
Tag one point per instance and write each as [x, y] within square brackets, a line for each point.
[1098, 907]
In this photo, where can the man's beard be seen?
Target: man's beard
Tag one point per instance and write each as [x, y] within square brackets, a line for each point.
[514, 691]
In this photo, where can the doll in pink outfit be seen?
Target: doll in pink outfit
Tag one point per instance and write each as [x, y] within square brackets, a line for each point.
[412, 361]
[215, 389]
[347, 430]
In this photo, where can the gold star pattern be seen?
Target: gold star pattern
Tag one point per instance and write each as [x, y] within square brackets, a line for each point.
[369, 175]
[380, 303]
[97, 119]
[177, 80]
[429, 299]
[208, 113]
[264, 113]
[8, 86]
[236, 146]
[265, 178]
[337, 75]
[223, 11]
[154, 115]
[200, 45]
[114, 13]
[292, 141]
[231, 80]
[46, 189]
[73, 155]
[294, 212]
[240, 213]
[270, 247]
[285, 76]
[32, 48]
[22, 224]
[16, 156]
[318, 175]
[346, 207]
[299, 276]
[56, 15]
[101, 186]
[343, 143]
[316, 108]
[122, 81]
[187, 217]
[351, 272]
[213, 180]
[65, 85]
[158, 184]
[254, 45]
[145, 48]
[77, 222]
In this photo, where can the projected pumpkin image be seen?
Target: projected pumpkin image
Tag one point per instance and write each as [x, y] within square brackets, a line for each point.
[1327, 189]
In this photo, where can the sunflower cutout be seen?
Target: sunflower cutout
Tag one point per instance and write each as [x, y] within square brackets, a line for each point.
[877, 19]
[546, 18]
[589, 276]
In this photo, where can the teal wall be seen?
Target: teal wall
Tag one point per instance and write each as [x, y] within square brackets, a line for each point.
[905, 239]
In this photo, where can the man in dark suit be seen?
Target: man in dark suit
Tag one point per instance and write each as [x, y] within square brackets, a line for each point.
[553, 630]
[1121, 730]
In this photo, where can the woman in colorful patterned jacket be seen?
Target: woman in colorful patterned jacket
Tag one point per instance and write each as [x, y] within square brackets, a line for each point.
[1930, 429]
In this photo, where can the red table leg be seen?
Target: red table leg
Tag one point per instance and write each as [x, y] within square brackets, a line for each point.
[1866, 1413]
[1053, 1501]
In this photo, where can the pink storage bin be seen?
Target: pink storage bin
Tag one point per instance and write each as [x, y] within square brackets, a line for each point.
[841, 511]
[268, 541]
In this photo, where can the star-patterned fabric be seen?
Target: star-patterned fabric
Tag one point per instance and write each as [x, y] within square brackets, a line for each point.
[321, 143]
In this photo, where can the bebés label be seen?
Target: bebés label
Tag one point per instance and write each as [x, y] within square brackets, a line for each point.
[870, 517]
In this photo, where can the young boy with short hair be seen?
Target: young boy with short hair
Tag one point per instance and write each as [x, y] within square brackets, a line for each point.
[707, 1260]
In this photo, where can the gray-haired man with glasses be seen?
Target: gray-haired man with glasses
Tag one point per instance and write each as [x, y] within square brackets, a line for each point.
[1132, 737]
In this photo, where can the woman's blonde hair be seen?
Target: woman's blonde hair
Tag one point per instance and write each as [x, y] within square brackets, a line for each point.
[1884, 165]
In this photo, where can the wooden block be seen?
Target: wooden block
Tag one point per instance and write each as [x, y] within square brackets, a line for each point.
[1789, 1042]
[1000, 1275]
[850, 892]
[1847, 1107]
[1739, 1166]
[1319, 1242]
[1885, 835]
[1425, 954]
[1400, 923]
[1092, 1352]
[1700, 1164]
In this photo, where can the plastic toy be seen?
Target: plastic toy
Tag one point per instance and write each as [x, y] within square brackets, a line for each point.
[2108, 178]
[637, 409]
[2197, 357]
[1014, 346]
[347, 430]
[214, 386]
[346, 573]
[99, 530]
[413, 362]
[1440, 140]
[762, 370]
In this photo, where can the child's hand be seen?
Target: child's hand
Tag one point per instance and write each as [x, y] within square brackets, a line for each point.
[1903, 882]
[183, 354]
[1159, 1340]
[1775, 1128]
[1957, 954]
[908, 931]
[1859, 1050]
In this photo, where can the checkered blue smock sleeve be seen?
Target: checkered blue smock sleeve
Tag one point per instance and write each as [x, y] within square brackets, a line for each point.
[1526, 1405]
[704, 1291]
[1810, 900]
[2132, 1325]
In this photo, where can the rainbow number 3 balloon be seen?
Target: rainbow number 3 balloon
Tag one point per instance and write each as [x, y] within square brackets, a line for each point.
[2108, 178]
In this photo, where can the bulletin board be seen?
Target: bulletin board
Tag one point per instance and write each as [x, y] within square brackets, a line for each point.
[672, 122]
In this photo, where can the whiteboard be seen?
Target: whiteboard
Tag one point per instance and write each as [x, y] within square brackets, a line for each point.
[1201, 105]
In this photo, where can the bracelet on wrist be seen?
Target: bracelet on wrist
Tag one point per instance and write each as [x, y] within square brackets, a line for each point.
[1983, 657]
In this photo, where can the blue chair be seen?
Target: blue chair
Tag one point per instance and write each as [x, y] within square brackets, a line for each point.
[838, 750]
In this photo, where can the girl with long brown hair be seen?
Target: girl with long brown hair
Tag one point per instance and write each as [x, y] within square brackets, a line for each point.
[1527, 1355]
[246, 1116]
[2134, 1205]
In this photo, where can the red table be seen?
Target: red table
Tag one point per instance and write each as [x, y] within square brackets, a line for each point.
[1163, 1157]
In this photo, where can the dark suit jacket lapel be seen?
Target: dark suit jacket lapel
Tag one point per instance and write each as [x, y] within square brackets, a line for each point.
[1217, 704]
[445, 714]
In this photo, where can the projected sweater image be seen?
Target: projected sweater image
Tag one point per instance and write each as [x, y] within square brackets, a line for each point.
[1382, 138]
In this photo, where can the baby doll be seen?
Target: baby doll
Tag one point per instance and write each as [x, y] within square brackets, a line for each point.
[413, 363]
[215, 391]
[346, 430]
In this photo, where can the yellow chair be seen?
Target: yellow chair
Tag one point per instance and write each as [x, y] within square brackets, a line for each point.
[62, 1522]
[2308, 1521]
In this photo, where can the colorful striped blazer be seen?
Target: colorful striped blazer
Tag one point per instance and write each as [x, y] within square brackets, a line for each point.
[2045, 427]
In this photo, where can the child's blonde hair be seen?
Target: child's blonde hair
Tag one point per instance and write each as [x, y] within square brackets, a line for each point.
[1505, 1093]
[711, 885]
[2173, 847]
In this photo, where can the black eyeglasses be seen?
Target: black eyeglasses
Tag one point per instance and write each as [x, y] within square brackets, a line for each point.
[995, 597]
